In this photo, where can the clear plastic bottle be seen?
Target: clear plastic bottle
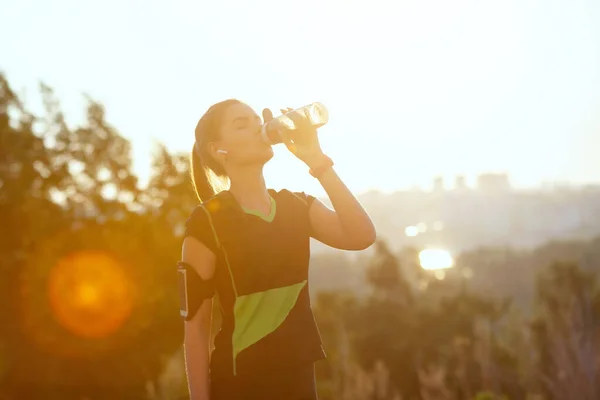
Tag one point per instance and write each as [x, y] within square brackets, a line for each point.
[316, 113]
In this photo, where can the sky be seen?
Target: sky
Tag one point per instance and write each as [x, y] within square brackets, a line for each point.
[414, 88]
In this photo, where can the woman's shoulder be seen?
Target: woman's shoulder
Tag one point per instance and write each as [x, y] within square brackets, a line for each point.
[197, 218]
[199, 226]
[198, 214]
[293, 197]
[205, 212]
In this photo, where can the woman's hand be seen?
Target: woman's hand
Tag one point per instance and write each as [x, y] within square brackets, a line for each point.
[347, 226]
[303, 141]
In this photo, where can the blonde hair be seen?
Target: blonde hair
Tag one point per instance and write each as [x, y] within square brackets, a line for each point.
[208, 175]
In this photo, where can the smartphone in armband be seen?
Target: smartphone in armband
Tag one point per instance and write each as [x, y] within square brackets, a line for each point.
[193, 290]
[183, 291]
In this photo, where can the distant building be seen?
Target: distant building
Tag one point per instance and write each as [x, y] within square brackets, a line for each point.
[493, 183]
[495, 214]
[460, 183]
[438, 184]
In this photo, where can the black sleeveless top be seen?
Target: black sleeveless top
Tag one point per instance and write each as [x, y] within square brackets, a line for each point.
[261, 279]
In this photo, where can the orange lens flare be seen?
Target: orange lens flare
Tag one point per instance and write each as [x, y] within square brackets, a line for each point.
[90, 294]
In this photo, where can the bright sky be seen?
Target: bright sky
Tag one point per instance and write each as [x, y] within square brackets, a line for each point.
[414, 88]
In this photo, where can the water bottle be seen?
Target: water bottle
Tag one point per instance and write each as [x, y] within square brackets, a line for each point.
[316, 113]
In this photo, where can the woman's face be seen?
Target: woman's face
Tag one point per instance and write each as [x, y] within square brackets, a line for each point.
[240, 137]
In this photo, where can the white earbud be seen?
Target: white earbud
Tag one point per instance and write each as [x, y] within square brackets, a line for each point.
[222, 151]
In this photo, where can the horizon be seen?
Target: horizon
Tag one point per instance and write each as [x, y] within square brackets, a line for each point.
[428, 89]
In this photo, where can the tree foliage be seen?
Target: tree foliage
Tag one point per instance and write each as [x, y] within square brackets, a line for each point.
[66, 191]
[435, 338]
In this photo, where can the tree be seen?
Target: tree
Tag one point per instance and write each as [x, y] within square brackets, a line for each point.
[88, 301]
[565, 332]
[386, 324]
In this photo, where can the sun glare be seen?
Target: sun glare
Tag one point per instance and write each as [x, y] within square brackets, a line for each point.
[411, 231]
[432, 259]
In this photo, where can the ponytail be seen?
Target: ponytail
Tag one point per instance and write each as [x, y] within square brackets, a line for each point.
[202, 185]
[208, 176]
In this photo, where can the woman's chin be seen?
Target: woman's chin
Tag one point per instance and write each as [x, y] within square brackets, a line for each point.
[260, 159]
[268, 158]
[268, 154]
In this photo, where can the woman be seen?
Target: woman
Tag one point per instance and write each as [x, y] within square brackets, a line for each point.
[250, 246]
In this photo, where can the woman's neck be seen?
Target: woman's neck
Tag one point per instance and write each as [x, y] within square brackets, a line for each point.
[249, 189]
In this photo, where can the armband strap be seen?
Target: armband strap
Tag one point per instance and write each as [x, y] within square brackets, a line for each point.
[193, 290]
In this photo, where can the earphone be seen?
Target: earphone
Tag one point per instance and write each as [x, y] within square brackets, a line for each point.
[222, 151]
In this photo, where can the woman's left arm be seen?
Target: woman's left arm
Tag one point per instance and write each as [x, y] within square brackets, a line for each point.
[347, 226]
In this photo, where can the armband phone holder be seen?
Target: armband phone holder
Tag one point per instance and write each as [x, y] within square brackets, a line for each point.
[193, 290]
[182, 278]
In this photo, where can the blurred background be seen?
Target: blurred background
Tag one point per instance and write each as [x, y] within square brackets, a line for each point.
[469, 130]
